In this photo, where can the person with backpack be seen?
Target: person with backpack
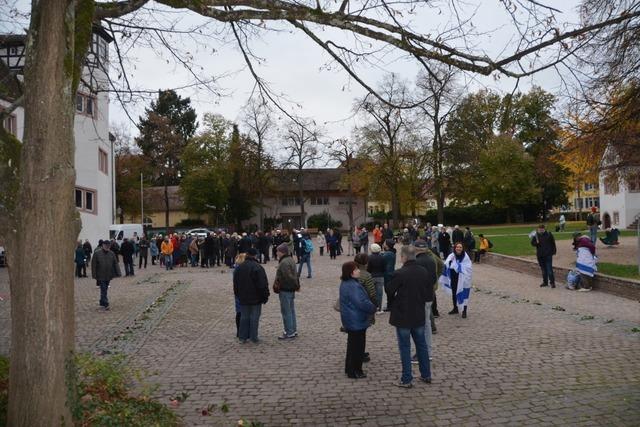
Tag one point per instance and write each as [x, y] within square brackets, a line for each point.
[592, 223]
[306, 249]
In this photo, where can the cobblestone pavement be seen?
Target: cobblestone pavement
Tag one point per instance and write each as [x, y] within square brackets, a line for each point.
[525, 355]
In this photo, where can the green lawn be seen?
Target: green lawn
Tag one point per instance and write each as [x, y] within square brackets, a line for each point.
[619, 270]
[513, 239]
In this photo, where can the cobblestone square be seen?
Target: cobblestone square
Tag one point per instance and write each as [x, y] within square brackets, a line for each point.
[525, 355]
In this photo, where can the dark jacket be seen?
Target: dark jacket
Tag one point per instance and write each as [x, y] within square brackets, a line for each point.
[545, 244]
[104, 265]
[355, 306]
[444, 241]
[250, 283]
[244, 245]
[429, 263]
[88, 250]
[407, 293]
[127, 249]
[389, 264]
[80, 255]
[469, 241]
[376, 265]
[457, 236]
[286, 274]
[144, 247]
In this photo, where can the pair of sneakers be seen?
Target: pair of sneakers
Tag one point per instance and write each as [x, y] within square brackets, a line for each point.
[286, 336]
[410, 384]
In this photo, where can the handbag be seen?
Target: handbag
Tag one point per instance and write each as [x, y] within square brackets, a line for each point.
[276, 286]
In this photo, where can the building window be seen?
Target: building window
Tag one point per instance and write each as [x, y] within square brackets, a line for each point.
[85, 200]
[616, 218]
[588, 187]
[590, 202]
[611, 186]
[346, 202]
[290, 201]
[10, 124]
[319, 200]
[633, 183]
[103, 161]
[85, 104]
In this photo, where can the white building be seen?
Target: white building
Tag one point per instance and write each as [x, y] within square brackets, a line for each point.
[95, 181]
[620, 200]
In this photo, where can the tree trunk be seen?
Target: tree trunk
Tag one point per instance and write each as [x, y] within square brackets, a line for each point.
[303, 222]
[166, 204]
[395, 205]
[261, 208]
[42, 295]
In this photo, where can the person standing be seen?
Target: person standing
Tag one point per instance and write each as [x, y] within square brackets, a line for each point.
[88, 250]
[339, 248]
[469, 242]
[104, 267]
[387, 232]
[251, 286]
[365, 279]
[355, 241]
[377, 235]
[444, 242]
[545, 246]
[376, 266]
[562, 221]
[80, 260]
[332, 243]
[194, 251]
[434, 266]
[457, 236]
[321, 241]
[306, 249]
[456, 279]
[287, 283]
[389, 256]
[355, 309]
[364, 239]
[408, 294]
[143, 246]
[166, 249]
[127, 250]
[153, 248]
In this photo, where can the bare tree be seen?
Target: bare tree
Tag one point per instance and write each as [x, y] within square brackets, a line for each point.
[385, 134]
[258, 119]
[59, 34]
[344, 152]
[301, 144]
[437, 88]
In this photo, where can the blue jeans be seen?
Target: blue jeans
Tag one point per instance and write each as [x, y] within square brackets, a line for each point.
[546, 265]
[379, 282]
[593, 233]
[288, 310]
[305, 259]
[168, 261]
[249, 319]
[104, 287]
[194, 260]
[404, 345]
[428, 327]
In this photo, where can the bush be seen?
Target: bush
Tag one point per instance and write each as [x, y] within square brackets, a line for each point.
[480, 215]
[322, 221]
[191, 223]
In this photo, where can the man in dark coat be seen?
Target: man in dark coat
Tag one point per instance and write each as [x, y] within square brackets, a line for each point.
[127, 249]
[457, 236]
[251, 286]
[434, 266]
[215, 251]
[444, 242]
[209, 245]
[244, 244]
[104, 267]
[545, 250]
[144, 251]
[407, 294]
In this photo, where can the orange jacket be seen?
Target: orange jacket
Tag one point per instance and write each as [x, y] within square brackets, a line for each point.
[166, 248]
[377, 235]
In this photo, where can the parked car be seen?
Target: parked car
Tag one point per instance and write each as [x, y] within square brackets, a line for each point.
[199, 232]
[3, 260]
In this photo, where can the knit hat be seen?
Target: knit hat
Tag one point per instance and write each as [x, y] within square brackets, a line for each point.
[375, 248]
[420, 244]
[252, 252]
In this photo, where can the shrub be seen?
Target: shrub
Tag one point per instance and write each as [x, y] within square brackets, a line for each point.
[191, 223]
[322, 221]
[480, 215]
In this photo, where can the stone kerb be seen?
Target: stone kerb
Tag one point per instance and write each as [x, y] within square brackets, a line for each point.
[626, 288]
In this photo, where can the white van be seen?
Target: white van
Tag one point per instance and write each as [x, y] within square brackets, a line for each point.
[120, 231]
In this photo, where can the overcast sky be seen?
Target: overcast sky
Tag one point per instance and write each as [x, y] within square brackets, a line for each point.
[293, 65]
